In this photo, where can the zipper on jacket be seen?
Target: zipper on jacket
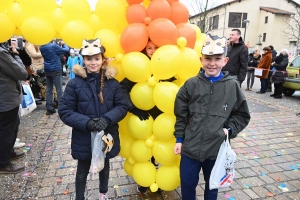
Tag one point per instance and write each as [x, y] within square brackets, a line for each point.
[212, 87]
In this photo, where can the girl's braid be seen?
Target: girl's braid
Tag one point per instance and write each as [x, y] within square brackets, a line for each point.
[101, 85]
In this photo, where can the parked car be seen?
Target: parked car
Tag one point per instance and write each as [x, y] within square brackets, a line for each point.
[292, 81]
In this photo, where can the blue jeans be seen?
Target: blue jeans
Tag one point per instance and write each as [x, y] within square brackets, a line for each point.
[263, 85]
[189, 175]
[57, 82]
[83, 168]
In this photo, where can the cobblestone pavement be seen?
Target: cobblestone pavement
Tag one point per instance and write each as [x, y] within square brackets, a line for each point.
[268, 152]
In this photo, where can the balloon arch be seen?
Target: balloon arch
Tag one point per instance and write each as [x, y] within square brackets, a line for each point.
[124, 28]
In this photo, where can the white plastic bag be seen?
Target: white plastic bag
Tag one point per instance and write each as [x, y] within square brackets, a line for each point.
[223, 172]
[28, 103]
[98, 156]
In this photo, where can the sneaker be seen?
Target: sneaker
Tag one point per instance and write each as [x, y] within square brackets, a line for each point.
[50, 112]
[17, 155]
[11, 169]
[298, 114]
[247, 89]
[141, 189]
[18, 144]
[250, 89]
[102, 197]
[272, 95]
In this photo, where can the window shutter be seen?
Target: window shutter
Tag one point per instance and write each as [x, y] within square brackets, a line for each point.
[230, 20]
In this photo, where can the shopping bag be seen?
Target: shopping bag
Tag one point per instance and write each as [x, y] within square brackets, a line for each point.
[222, 173]
[258, 72]
[98, 156]
[28, 103]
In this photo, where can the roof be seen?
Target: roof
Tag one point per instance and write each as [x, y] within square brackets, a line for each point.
[234, 1]
[276, 10]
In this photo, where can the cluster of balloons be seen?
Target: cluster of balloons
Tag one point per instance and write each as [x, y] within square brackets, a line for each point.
[124, 27]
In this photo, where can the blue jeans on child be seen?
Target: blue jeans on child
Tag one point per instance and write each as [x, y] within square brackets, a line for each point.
[83, 169]
[189, 175]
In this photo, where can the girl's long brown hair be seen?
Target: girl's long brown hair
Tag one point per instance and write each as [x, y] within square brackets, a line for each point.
[102, 75]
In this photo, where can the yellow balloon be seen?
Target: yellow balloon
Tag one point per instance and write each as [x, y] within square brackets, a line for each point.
[167, 178]
[7, 28]
[16, 13]
[138, 129]
[18, 32]
[179, 82]
[141, 96]
[113, 14]
[153, 187]
[73, 32]
[128, 167]
[198, 48]
[140, 152]
[163, 127]
[79, 10]
[163, 152]
[181, 41]
[164, 95]
[58, 19]
[95, 22]
[126, 142]
[136, 67]
[198, 32]
[110, 41]
[40, 8]
[37, 30]
[166, 61]
[144, 173]
[146, 3]
[120, 75]
[149, 143]
[190, 62]
[5, 4]
[203, 36]
[123, 125]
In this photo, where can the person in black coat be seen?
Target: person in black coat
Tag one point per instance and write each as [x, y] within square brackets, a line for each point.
[93, 101]
[279, 73]
[252, 64]
[269, 82]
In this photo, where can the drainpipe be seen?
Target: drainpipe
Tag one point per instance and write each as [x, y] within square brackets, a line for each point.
[224, 20]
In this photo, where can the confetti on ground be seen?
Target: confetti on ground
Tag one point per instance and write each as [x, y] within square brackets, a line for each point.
[27, 148]
[278, 154]
[30, 145]
[116, 186]
[269, 194]
[125, 190]
[247, 186]
[227, 196]
[25, 174]
[48, 149]
[256, 159]
[48, 141]
[59, 180]
[24, 150]
[231, 198]
[283, 187]
[66, 192]
[62, 167]
[55, 150]
[278, 179]
[262, 174]
[294, 168]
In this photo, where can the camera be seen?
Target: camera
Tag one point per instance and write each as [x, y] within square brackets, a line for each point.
[17, 43]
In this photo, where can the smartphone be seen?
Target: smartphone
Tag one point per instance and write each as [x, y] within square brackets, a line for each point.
[20, 43]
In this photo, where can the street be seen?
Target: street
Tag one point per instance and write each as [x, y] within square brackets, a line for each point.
[268, 152]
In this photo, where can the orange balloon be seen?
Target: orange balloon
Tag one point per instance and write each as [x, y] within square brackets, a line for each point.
[187, 31]
[159, 9]
[134, 37]
[136, 13]
[162, 31]
[130, 2]
[179, 13]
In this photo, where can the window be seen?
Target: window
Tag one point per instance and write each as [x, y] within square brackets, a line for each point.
[210, 23]
[215, 22]
[264, 37]
[236, 20]
[266, 20]
[296, 62]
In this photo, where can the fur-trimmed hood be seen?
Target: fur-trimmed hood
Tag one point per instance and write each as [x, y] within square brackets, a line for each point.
[110, 71]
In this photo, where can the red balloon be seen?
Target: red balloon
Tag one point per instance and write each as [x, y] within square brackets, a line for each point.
[159, 9]
[179, 13]
[162, 31]
[130, 2]
[136, 13]
[187, 31]
[134, 37]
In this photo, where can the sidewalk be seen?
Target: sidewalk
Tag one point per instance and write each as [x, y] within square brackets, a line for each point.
[268, 166]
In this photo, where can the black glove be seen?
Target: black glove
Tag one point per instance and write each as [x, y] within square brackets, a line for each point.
[143, 115]
[97, 124]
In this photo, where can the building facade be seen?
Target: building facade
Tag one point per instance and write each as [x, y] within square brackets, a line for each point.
[266, 22]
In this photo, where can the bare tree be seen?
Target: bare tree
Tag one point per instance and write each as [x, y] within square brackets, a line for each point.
[202, 8]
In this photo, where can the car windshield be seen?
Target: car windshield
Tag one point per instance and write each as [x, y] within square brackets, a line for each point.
[296, 62]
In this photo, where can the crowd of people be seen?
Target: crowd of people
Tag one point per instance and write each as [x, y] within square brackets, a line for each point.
[95, 101]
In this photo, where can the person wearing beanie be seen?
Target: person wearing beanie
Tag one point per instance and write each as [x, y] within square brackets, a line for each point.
[92, 102]
[208, 107]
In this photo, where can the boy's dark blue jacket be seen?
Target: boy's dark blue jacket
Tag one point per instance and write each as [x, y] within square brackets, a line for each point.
[81, 102]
